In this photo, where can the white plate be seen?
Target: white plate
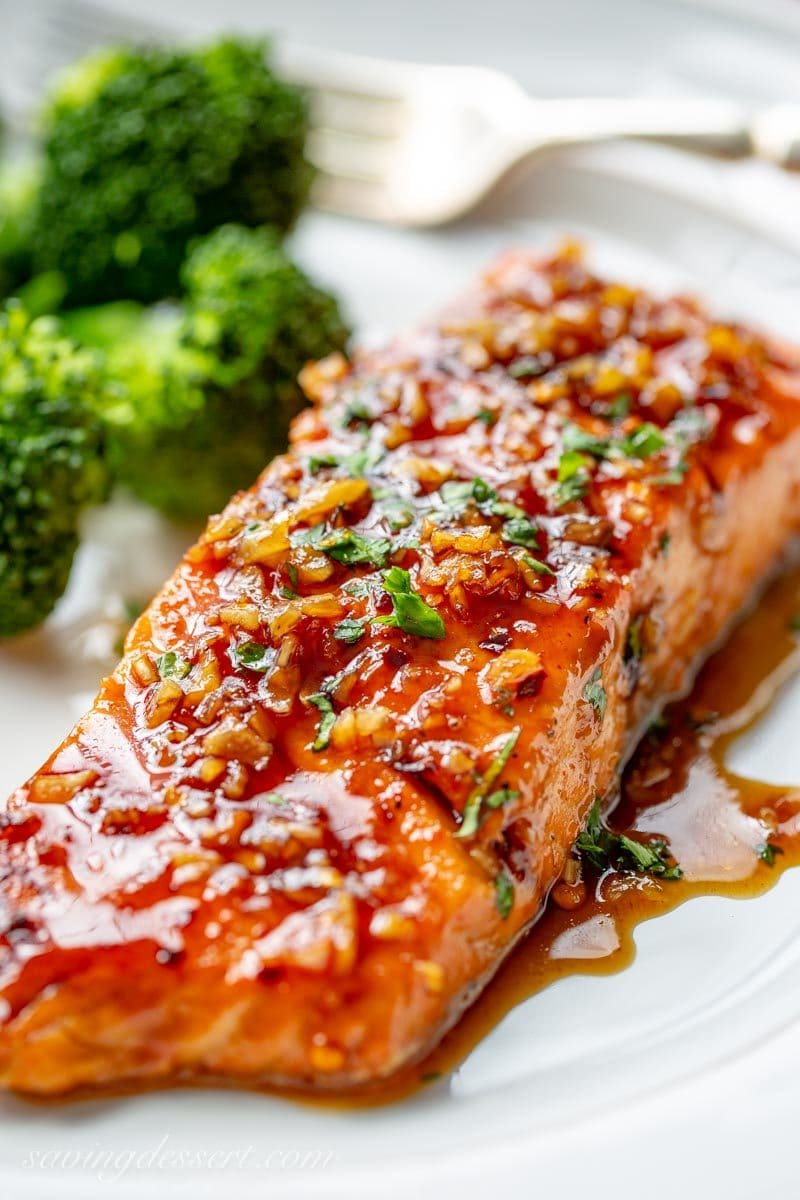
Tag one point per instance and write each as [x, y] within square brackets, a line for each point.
[677, 1076]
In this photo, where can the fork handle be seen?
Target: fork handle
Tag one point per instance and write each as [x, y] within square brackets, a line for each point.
[709, 126]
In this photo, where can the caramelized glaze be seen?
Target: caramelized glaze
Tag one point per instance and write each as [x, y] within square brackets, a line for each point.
[676, 785]
[351, 743]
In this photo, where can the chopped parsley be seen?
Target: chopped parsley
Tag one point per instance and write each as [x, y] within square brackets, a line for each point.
[634, 646]
[690, 425]
[354, 464]
[503, 795]
[456, 494]
[471, 816]
[411, 613]
[272, 798]
[671, 478]
[518, 528]
[528, 367]
[579, 440]
[290, 593]
[521, 531]
[316, 464]
[535, 564]
[647, 439]
[324, 704]
[644, 441]
[767, 852]
[345, 545]
[396, 512]
[356, 587]
[488, 417]
[357, 409]
[572, 478]
[172, 666]
[252, 655]
[615, 851]
[349, 631]
[620, 406]
[503, 894]
[664, 541]
[595, 694]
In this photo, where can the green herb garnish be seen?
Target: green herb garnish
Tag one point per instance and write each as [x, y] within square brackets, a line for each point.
[471, 817]
[643, 442]
[595, 693]
[634, 646]
[316, 464]
[289, 593]
[324, 704]
[528, 367]
[503, 795]
[572, 478]
[767, 852]
[647, 439]
[359, 588]
[172, 666]
[620, 406]
[253, 655]
[672, 478]
[606, 850]
[349, 631]
[411, 613]
[521, 531]
[535, 564]
[577, 439]
[345, 545]
[272, 797]
[397, 512]
[503, 894]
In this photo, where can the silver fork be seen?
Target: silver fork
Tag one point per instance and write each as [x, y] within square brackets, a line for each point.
[421, 145]
[413, 144]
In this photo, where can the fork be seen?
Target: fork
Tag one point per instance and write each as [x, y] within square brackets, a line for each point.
[418, 145]
[421, 145]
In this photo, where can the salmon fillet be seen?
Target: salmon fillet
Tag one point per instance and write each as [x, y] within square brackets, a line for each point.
[350, 745]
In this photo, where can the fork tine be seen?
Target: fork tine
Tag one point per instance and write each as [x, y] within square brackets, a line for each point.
[356, 113]
[349, 74]
[368, 201]
[348, 155]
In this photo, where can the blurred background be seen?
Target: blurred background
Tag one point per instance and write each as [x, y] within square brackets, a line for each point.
[737, 49]
[645, 46]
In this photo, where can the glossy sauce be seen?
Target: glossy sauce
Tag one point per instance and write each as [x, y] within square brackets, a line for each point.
[677, 786]
[321, 797]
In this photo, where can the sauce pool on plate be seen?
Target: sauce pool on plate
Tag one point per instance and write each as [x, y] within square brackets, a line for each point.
[730, 836]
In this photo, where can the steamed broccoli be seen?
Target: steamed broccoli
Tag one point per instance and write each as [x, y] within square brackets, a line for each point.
[19, 187]
[51, 465]
[146, 149]
[203, 391]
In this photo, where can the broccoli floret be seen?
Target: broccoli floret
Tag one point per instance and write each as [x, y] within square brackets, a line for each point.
[19, 188]
[51, 464]
[146, 149]
[203, 391]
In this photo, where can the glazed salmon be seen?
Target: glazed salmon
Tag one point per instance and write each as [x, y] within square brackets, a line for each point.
[350, 745]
